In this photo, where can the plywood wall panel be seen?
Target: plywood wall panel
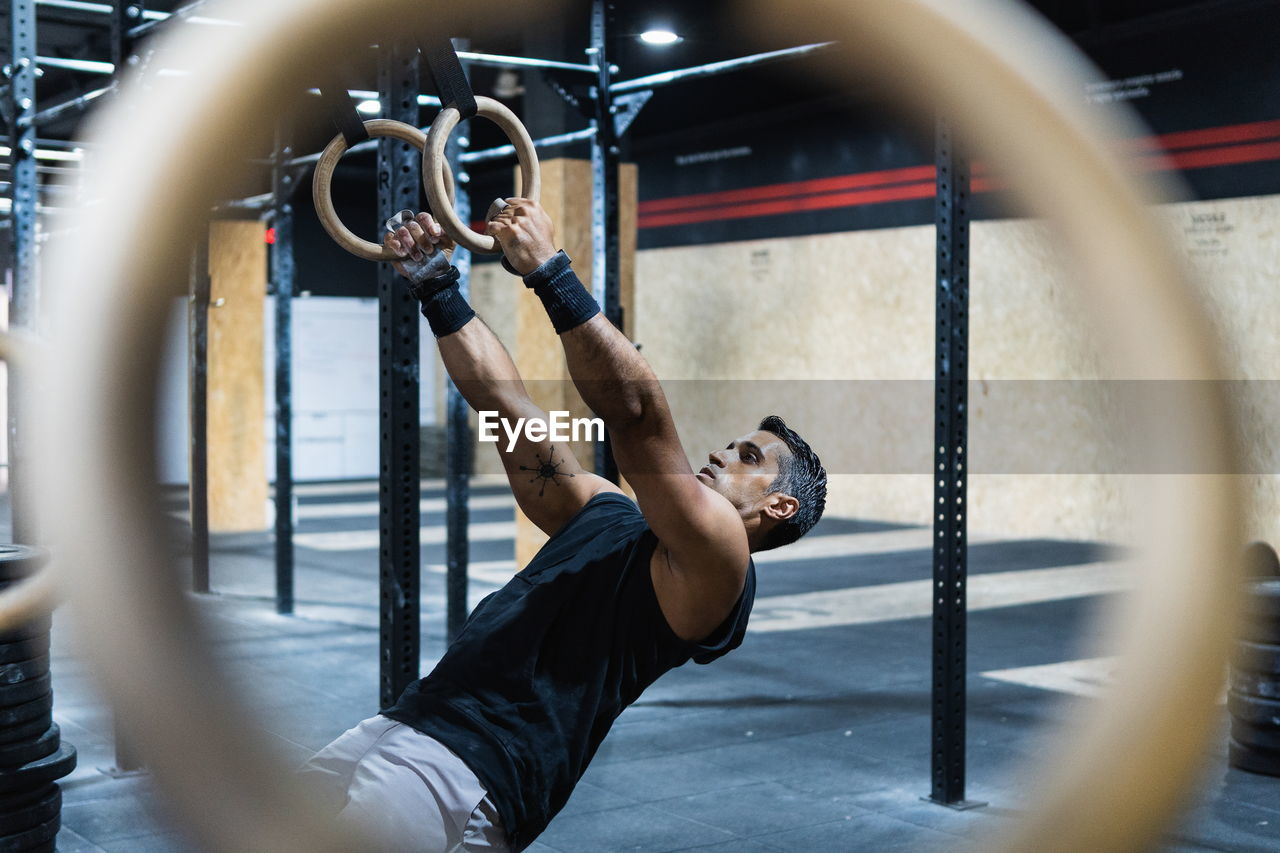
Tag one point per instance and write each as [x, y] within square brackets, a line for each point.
[848, 308]
[236, 441]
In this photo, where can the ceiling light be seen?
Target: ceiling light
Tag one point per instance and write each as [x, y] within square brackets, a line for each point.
[660, 37]
[369, 108]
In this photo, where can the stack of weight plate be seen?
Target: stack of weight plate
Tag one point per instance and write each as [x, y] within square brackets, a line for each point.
[1254, 700]
[32, 755]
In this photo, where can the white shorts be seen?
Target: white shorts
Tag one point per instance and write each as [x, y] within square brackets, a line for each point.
[407, 789]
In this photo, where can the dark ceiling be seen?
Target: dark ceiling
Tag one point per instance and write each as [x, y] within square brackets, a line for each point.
[710, 32]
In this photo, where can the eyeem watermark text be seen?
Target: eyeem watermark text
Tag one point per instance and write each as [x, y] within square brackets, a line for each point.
[560, 426]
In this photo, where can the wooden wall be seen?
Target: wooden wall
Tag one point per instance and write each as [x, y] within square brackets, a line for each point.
[237, 460]
[835, 332]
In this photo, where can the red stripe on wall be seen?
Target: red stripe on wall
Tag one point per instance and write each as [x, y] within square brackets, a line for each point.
[792, 205]
[910, 174]
[1227, 156]
[1232, 133]
[826, 192]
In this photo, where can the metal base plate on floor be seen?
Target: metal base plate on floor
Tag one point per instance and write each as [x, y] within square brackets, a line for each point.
[959, 806]
[117, 773]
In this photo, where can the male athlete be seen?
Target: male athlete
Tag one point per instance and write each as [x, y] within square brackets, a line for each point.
[484, 751]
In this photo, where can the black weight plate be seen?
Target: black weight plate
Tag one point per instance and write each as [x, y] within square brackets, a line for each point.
[32, 815]
[1264, 761]
[38, 628]
[1255, 710]
[24, 649]
[1264, 684]
[1257, 657]
[1255, 737]
[1258, 630]
[23, 691]
[26, 731]
[39, 772]
[46, 847]
[22, 842]
[14, 715]
[22, 799]
[22, 751]
[19, 671]
[18, 561]
[1262, 599]
[1261, 561]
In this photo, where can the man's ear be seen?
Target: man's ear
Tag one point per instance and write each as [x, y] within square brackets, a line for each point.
[780, 507]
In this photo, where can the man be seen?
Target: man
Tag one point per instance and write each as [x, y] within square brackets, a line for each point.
[484, 751]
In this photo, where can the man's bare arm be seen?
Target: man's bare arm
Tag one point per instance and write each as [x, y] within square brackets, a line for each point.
[700, 529]
[487, 378]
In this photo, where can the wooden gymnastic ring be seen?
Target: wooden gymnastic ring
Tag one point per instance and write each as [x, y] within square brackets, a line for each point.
[1016, 103]
[435, 170]
[322, 186]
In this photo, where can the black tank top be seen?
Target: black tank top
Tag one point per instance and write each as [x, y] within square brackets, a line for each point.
[543, 666]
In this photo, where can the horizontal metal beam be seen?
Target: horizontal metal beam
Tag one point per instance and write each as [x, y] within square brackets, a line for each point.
[6, 186]
[547, 142]
[497, 61]
[88, 66]
[147, 14]
[44, 170]
[93, 8]
[73, 105]
[183, 14]
[370, 95]
[72, 156]
[253, 204]
[667, 77]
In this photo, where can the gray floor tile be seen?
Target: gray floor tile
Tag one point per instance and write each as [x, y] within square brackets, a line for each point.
[71, 842]
[109, 820]
[649, 779]
[588, 798]
[751, 810]
[875, 832]
[771, 748]
[629, 828]
[163, 843]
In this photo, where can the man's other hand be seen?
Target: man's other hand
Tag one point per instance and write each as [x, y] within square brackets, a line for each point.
[526, 234]
[418, 240]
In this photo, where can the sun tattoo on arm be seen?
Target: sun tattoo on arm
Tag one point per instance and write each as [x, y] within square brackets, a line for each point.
[548, 471]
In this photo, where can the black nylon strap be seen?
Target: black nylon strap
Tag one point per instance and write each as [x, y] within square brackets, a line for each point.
[451, 80]
[344, 115]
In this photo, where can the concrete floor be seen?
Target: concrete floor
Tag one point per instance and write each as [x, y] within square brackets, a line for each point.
[814, 736]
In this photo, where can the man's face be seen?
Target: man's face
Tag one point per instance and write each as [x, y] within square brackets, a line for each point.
[745, 469]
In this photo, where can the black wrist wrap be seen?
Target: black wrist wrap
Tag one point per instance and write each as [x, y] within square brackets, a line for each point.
[442, 303]
[568, 303]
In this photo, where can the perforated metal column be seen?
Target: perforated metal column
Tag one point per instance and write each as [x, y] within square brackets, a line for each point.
[23, 300]
[605, 152]
[458, 428]
[950, 436]
[124, 15]
[399, 187]
[282, 284]
[198, 365]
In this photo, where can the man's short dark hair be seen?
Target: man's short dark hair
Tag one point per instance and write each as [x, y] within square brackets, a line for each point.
[801, 476]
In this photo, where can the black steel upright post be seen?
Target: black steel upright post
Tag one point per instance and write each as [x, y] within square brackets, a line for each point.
[23, 299]
[198, 372]
[399, 187]
[282, 283]
[605, 156]
[457, 426]
[950, 437]
[124, 16]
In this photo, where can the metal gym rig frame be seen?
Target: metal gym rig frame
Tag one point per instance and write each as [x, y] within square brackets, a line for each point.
[614, 105]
